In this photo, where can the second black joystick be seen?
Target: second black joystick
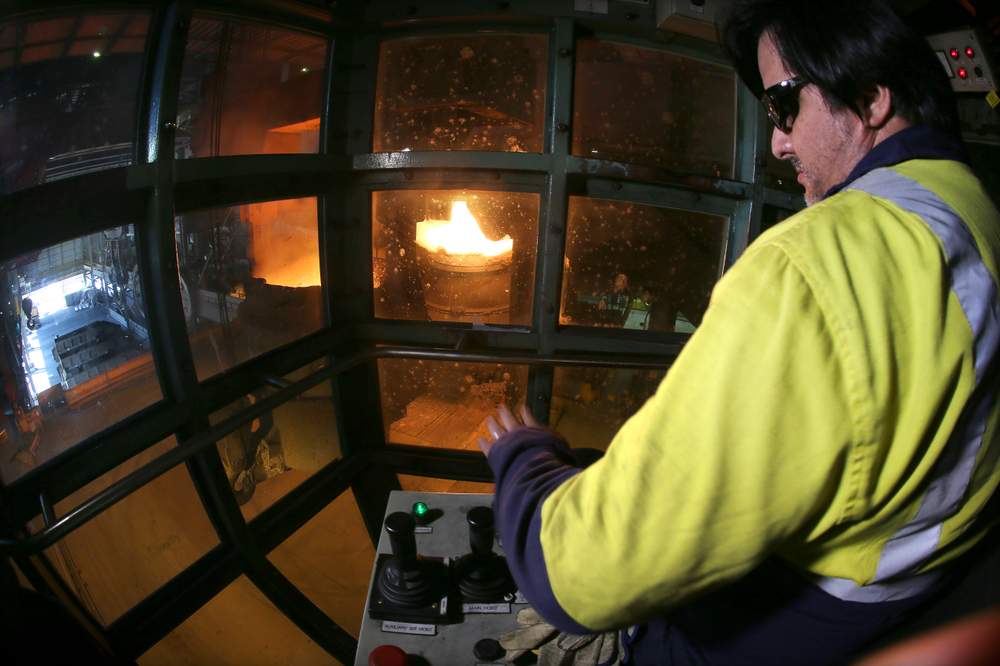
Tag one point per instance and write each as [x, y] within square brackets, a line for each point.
[482, 575]
[481, 530]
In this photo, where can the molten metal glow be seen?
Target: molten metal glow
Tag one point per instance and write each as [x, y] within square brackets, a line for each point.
[294, 272]
[460, 235]
[285, 242]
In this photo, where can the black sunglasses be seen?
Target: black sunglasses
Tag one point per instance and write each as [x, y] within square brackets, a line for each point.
[782, 102]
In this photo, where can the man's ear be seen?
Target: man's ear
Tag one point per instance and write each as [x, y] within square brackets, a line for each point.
[876, 107]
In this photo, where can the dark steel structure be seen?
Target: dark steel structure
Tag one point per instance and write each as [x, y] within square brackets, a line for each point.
[342, 176]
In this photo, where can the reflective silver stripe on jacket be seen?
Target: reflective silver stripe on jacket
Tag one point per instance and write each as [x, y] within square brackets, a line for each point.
[914, 544]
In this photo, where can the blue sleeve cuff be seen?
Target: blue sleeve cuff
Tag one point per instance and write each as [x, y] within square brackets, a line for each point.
[528, 464]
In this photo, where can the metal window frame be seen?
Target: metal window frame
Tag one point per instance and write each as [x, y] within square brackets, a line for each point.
[342, 176]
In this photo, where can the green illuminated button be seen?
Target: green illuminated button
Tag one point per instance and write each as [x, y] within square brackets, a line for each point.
[424, 515]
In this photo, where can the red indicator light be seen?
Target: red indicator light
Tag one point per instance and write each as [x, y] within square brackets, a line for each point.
[963, 73]
[969, 51]
[954, 53]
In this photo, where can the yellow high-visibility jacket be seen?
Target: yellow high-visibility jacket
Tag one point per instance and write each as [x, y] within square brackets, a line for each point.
[837, 407]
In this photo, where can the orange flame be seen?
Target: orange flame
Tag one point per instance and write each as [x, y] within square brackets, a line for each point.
[460, 235]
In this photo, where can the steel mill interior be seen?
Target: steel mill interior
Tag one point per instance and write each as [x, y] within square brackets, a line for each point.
[263, 262]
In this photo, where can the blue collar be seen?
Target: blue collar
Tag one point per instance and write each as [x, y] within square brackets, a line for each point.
[918, 142]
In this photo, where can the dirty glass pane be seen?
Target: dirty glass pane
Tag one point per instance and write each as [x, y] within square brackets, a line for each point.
[130, 550]
[268, 457]
[454, 255]
[69, 85]
[445, 404]
[474, 92]
[249, 278]
[429, 484]
[589, 405]
[75, 346]
[639, 267]
[249, 88]
[239, 626]
[330, 560]
[653, 108]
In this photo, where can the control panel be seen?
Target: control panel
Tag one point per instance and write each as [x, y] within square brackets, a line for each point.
[440, 593]
[964, 60]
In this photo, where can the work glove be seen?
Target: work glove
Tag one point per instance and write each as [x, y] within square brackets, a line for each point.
[556, 648]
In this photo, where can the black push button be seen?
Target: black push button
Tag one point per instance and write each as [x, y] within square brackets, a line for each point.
[488, 649]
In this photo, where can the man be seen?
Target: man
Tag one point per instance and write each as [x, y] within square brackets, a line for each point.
[825, 445]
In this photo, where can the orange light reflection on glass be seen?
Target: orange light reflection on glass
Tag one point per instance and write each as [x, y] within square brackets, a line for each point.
[284, 237]
[311, 125]
[300, 137]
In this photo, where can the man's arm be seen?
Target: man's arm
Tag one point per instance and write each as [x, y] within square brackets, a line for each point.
[746, 442]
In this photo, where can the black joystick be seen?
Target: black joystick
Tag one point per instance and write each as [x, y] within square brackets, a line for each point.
[481, 530]
[482, 574]
[404, 579]
[401, 528]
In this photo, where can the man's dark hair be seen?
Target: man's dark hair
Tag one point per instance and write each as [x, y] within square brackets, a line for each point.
[846, 48]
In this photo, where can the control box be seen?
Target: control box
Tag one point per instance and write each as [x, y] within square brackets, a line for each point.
[964, 60]
[440, 591]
